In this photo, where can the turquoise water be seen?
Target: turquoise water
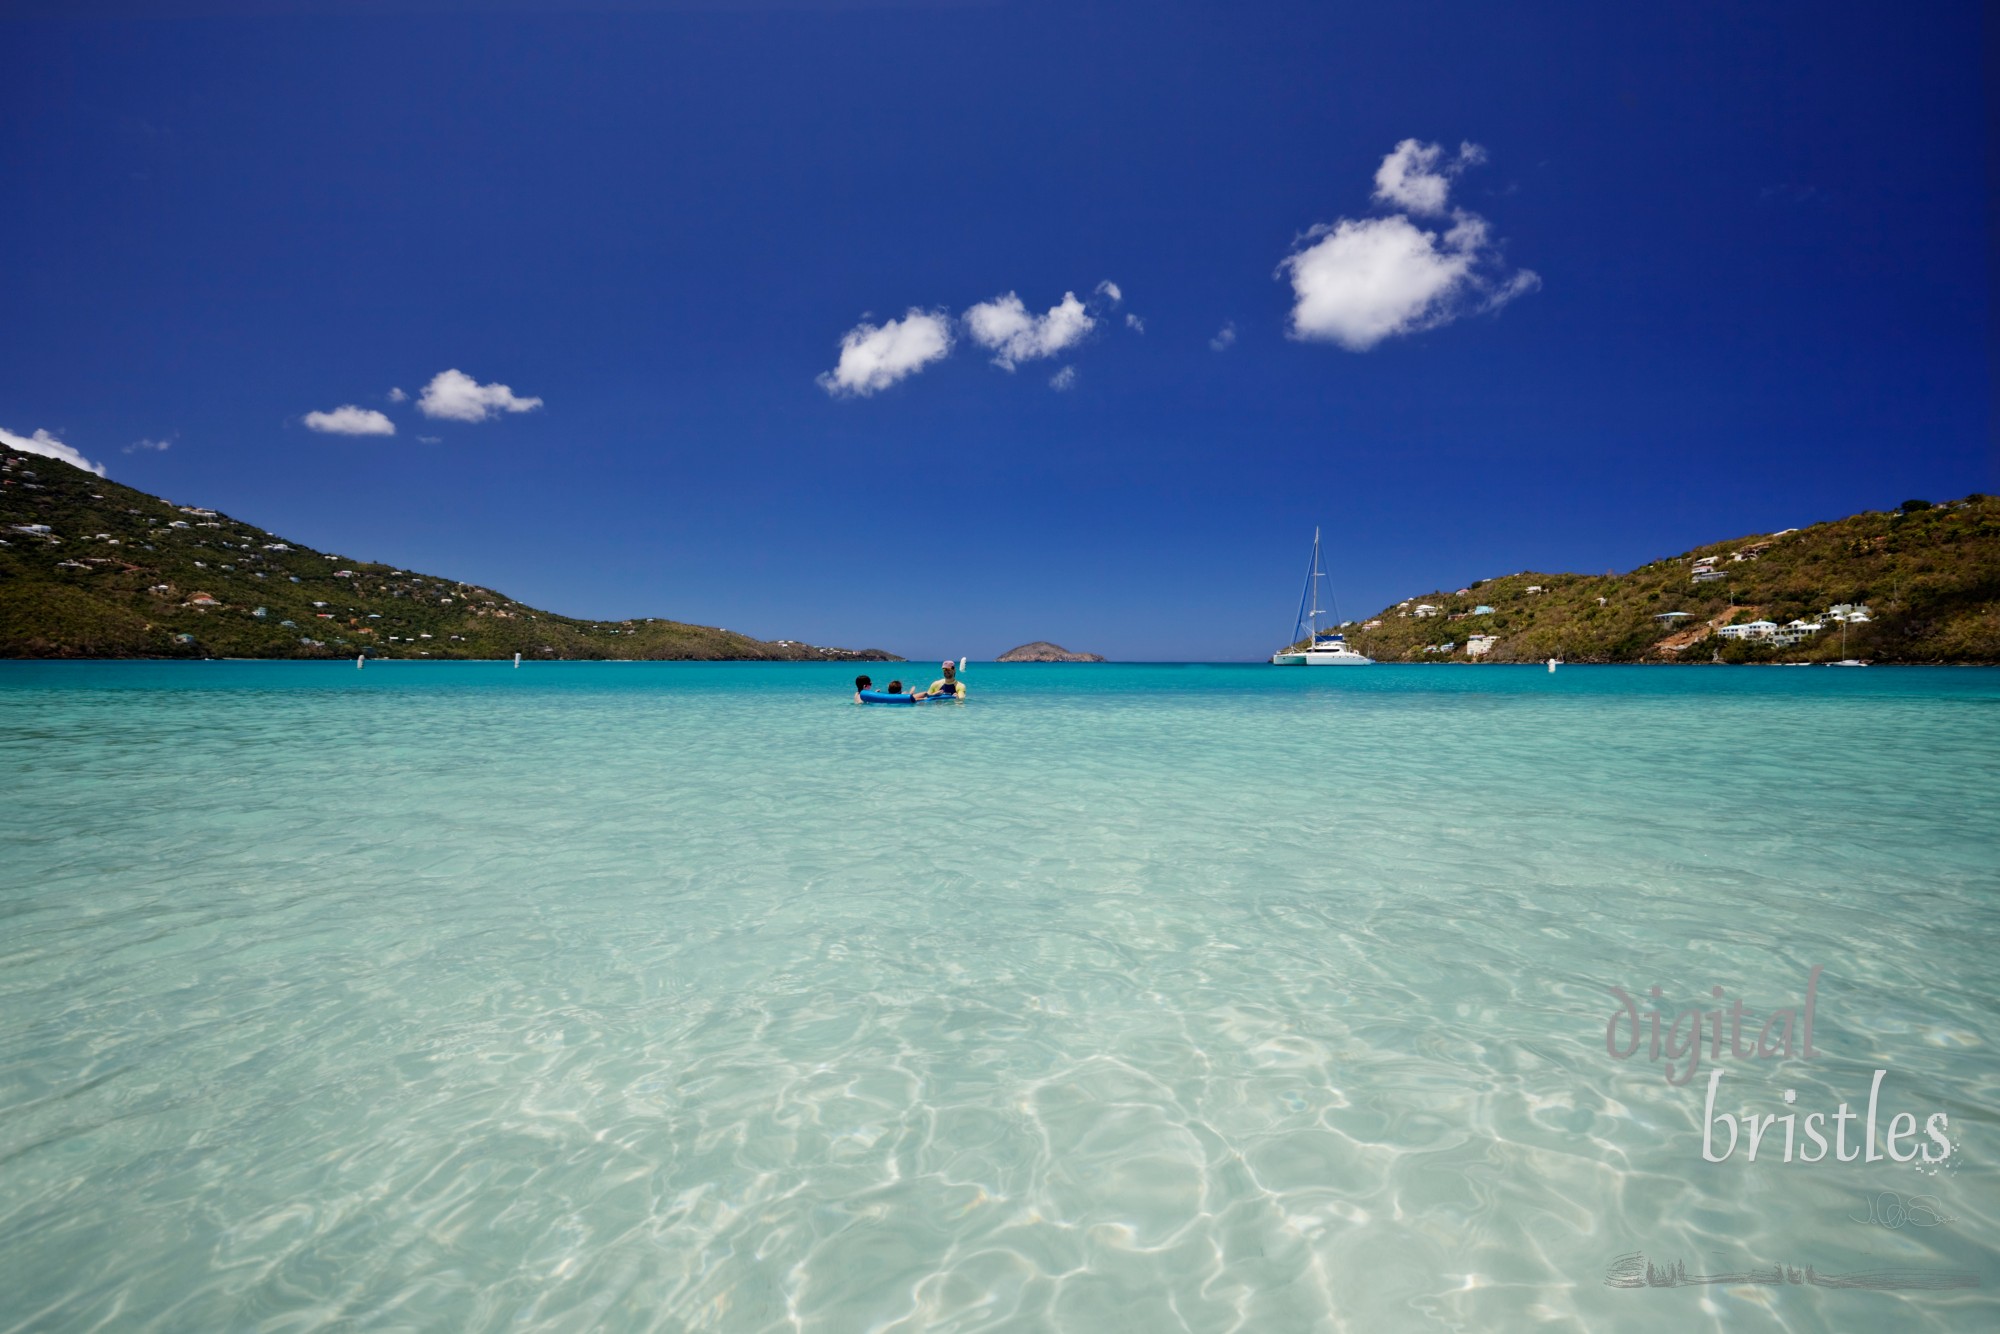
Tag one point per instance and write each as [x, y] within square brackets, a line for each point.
[689, 997]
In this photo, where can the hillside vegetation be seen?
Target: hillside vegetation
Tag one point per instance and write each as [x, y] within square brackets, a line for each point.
[1929, 576]
[92, 569]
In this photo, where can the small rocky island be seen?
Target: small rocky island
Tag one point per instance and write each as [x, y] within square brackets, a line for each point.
[1043, 651]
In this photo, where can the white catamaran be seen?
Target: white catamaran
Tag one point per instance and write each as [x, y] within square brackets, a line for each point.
[1315, 647]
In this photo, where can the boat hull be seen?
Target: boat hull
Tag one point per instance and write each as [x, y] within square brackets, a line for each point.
[1321, 659]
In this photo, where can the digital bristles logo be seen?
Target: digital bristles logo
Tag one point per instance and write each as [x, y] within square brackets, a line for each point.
[1786, 1033]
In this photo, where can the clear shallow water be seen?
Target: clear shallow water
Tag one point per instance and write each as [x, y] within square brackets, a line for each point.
[1121, 998]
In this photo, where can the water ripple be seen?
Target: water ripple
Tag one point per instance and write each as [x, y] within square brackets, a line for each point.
[690, 998]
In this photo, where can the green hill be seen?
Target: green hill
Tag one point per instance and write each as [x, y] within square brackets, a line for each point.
[1927, 575]
[92, 569]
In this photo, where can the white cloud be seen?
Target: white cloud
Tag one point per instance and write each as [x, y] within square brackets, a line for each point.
[142, 446]
[41, 442]
[1418, 176]
[1358, 281]
[1063, 379]
[455, 396]
[1224, 336]
[397, 395]
[1367, 279]
[350, 420]
[1004, 327]
[874, 357]
[427, 440]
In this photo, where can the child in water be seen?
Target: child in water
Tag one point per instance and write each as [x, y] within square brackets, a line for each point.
[895, 687]
[861, 683]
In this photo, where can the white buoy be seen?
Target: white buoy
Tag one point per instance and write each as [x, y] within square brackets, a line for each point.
[961, 664]
[1552, 664]
[517, 662]
[359, 660]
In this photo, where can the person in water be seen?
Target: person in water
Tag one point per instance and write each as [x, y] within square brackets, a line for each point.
[895, 688]
[861, 683]
[949, 685]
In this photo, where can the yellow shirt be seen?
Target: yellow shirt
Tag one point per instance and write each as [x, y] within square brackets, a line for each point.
[946, 686]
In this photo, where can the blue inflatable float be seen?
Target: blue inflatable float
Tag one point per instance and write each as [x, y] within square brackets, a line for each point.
[884, 697]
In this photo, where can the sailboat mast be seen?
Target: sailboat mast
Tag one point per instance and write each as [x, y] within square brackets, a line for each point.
[1318, 573]
[1306, 596]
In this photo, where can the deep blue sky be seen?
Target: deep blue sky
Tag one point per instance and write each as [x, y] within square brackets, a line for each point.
[1762, 235]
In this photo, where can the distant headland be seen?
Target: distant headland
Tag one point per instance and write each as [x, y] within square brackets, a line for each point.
[92, 569]
[1919, 583]
[1043, 651]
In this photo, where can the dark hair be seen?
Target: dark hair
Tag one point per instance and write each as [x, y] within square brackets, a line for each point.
[895, 687]
[863, 682]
